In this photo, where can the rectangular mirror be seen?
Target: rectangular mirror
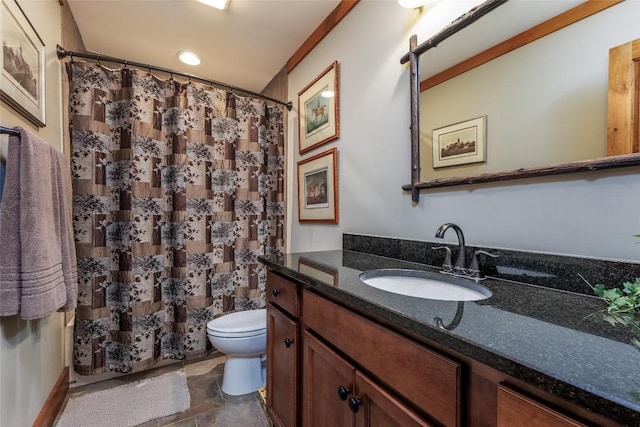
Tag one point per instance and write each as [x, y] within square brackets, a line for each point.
[545, 101]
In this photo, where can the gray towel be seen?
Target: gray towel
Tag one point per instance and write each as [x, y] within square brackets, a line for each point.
[37, 259]
[67, 243]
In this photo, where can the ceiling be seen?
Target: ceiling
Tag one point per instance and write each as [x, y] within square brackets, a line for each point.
[244, 46]
[249, 43]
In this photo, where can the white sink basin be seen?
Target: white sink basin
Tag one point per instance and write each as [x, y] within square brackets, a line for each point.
[424, 284]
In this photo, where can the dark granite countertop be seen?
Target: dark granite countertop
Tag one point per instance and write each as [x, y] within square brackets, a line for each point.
[552, 339]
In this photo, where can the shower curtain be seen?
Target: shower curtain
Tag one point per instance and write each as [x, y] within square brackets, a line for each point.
[178, 187]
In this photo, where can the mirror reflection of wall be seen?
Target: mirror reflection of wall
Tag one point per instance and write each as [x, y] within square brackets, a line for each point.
[545, 102]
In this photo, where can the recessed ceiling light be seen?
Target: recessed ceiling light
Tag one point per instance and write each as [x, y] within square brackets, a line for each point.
[218, 4]
[189, 58]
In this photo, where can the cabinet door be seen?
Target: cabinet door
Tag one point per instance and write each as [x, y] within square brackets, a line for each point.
[375, 407]
[516, 409]
[282, 368]
[326, 376]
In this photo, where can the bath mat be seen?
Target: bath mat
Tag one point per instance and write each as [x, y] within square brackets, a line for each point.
[130, 404]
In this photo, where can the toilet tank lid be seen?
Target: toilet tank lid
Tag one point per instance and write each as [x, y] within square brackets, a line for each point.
[240, 321]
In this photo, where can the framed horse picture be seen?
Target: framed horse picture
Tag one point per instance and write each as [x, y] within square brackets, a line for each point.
[318, 188]
[318, 108]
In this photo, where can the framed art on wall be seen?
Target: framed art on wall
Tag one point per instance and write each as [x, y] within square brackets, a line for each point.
[318, 188]
[460, 144]
[318, 108]
[22, 63]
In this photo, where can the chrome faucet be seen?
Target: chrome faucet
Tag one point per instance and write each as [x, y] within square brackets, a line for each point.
[459, 266]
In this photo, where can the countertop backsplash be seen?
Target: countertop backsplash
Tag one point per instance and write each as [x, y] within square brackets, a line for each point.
[553, 271]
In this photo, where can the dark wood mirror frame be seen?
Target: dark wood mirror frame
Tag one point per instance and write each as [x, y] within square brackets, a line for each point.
[627, 122]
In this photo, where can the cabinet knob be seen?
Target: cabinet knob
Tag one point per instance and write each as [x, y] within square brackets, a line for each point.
[275, 292]
[343, 392]
[288, 342]
[354, 404]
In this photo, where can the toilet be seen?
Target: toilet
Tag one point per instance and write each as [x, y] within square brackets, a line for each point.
[242, 336]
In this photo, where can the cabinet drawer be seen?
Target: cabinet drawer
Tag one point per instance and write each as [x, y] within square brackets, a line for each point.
[283, 293]
[514, 407]
[427, 379]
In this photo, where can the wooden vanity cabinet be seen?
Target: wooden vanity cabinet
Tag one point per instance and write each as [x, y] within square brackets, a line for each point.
[320, 352]
[283, 351]
[337, 394]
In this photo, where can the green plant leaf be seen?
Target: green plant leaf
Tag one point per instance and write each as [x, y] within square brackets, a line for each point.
[599, 290]
[620, 301]
[610, 295]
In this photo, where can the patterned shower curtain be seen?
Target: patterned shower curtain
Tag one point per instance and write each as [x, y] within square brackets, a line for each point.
[178, 187]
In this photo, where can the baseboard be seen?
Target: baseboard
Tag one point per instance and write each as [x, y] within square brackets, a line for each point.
[54, 402]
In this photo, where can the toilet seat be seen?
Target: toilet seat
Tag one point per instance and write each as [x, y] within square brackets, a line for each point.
[240, 324]
[232, 335]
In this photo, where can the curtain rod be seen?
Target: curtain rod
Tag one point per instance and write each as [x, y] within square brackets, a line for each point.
[62, 53]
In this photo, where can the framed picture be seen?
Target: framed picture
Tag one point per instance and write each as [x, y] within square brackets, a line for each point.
[318, 188]
[460, 144]
[318, 271]
[22, 63]
[318, 107]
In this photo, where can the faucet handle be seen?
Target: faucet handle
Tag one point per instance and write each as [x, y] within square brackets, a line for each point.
[446, 264]
[474, 268]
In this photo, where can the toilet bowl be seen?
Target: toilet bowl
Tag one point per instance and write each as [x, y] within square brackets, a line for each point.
[242, 336]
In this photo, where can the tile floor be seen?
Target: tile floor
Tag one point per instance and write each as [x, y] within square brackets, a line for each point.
[210, 407]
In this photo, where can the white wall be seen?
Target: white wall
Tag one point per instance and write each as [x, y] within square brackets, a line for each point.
[31, 352]
[591, 215]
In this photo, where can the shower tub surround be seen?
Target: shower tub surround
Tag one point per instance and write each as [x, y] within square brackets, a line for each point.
[542, 326]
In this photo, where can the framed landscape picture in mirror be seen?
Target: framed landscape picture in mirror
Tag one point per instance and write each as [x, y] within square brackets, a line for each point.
[460, 144]
[318, 108]
[318, 188]
[22, 85]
